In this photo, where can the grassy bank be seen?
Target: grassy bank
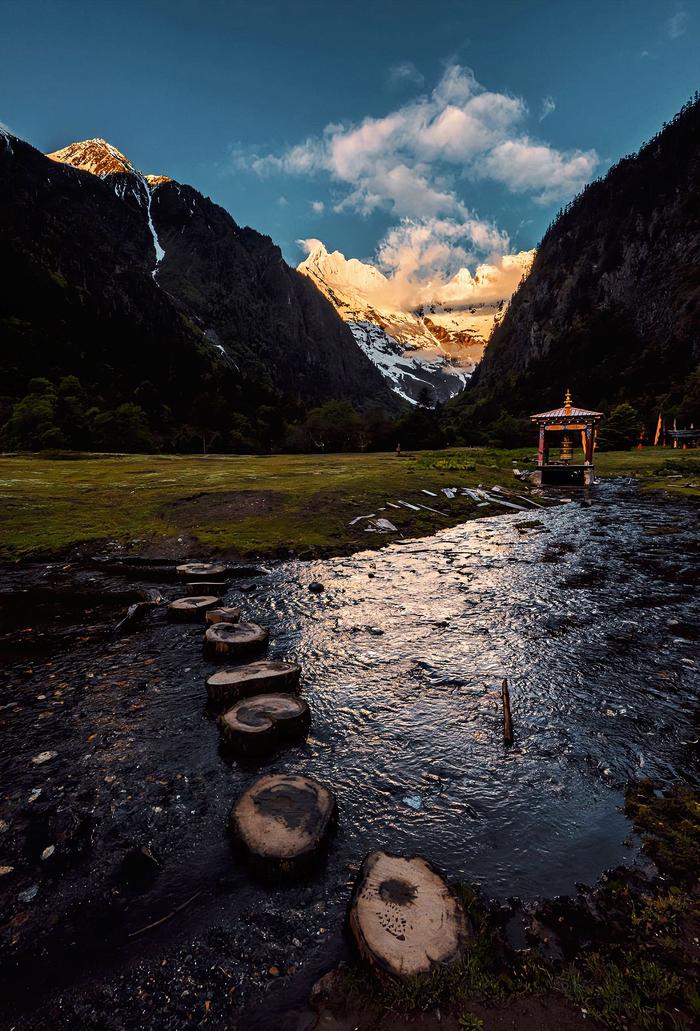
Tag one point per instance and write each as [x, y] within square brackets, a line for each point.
[260, 505]
[623, 955]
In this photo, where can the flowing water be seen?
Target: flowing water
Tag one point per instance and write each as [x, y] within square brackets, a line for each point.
[591, 613]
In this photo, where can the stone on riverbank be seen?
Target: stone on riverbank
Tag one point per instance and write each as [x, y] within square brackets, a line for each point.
[282, 821]
[226, 686]
[258, 724]
[403, 916]
[223, 615]
[191, 610]
[232, 640]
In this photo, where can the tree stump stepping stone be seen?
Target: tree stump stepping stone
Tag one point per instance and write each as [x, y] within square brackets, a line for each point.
[257, 725]
[226, 614]
[231, 640]
[192, 609]
[403, 916]
[226, 686]
[282, 821]
[201, 571]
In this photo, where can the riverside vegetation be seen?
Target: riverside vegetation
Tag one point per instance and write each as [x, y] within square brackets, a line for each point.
[625, 954]
[265, 505]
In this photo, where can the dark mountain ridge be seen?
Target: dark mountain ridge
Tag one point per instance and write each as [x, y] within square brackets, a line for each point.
[611, 307]
[147, 292]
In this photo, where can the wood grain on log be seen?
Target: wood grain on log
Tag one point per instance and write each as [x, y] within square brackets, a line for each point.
[201, 571]
[282, 821]
[403, 916]
[226, 686]
[191, 610]
[231, 640]
[223, 615]
[259, 724]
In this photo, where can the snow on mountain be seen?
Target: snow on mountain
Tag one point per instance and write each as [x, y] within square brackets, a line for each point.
[96, 156]
[436, 345]
[102, 159]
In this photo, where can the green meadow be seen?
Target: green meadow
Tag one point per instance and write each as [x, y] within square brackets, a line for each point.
[265, 505]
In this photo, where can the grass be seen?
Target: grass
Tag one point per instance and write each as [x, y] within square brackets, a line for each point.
[298, 503]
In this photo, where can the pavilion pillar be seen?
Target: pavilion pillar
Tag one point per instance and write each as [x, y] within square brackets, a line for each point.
[542, 448]
[588, 451]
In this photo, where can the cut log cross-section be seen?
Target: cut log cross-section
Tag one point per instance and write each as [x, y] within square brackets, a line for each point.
[202, 571]
[227, 614]
[192, 610]
[257, 725]
[226, 686]
[231, 640]
[403, 916]
[282, 821]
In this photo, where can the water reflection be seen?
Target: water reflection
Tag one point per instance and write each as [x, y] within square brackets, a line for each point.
[403, 657]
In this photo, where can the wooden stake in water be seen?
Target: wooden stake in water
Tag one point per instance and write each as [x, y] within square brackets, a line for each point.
[507, 718]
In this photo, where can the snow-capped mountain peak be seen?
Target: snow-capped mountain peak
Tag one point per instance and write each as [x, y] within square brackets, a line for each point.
[96, 156]
[434, 344]
[102, 159]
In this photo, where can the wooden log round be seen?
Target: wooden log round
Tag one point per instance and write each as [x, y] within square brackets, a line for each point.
[201, 571]
[193, 609]
[403, 916]
[226, 686]
[227, 614]
[257, 725]
[282, 821]
[230, 640]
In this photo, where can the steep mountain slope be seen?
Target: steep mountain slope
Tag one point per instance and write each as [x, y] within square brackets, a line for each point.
[611, 307]
[121, 279]
[435, 345]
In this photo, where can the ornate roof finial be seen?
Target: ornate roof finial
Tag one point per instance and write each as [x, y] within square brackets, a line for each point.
[567, 402]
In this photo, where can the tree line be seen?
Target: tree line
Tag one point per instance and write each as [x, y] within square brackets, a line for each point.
[64, 416]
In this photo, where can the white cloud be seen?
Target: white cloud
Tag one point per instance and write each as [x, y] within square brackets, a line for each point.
[525, 166]
[282, 202]
[318, 207]
[548, 105]
[425, 262]
[677, 24]
[404, 74]
[408, 161]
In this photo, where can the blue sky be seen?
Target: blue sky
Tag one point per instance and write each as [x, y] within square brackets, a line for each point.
[458, 128]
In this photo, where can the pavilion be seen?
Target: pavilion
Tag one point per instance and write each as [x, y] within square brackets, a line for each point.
[566, 421]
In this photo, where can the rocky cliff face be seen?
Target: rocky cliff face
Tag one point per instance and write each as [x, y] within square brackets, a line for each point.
[120, 278]
[435, 345]
[611, 307]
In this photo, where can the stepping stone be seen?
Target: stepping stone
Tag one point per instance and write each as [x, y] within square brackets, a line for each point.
[282, 821]
[201, 571]
[223, 615]
[226, 686]
[403, 916]
[257, 725]
[231, 640]
[192, 610]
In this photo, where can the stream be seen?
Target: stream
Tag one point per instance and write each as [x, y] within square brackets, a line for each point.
[591, 612]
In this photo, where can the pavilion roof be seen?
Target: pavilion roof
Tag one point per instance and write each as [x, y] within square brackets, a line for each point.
[570, 412]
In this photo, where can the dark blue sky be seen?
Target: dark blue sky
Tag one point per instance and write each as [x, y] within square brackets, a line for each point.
[218, 94]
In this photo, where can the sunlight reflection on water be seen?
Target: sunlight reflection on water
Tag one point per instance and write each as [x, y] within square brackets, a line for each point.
[403, 657]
